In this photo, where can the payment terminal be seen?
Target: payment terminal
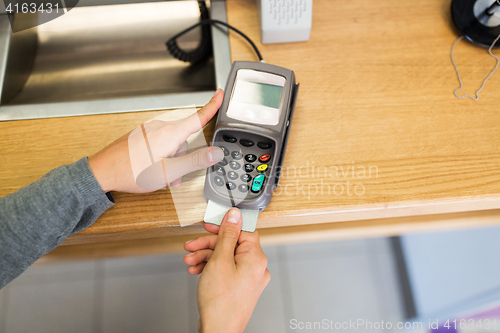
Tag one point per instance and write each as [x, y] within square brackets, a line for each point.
[252, 129]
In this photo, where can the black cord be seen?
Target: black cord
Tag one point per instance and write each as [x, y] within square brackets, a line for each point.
[194, 56]
[204, 49]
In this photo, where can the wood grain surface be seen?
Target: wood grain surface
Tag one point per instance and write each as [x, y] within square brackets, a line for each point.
[283, 235]
[377, 131]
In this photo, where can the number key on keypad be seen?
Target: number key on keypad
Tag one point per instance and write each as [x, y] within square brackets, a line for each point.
[237, 155]
[249, 167]
[234, 165]
[219, 170]
[218, 181]
[243, 188]
[250, 158]
[246, 178]
[224, 149]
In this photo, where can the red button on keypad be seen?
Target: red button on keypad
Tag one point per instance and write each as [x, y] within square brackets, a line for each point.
[264, 158]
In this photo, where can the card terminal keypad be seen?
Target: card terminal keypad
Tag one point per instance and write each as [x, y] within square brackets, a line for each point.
[245, 168]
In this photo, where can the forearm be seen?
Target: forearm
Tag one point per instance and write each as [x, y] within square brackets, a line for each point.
[38, 217]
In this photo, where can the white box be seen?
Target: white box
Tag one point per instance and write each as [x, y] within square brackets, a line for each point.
[284, 21]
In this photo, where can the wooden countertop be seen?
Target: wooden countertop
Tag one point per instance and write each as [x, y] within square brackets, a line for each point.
[376, 125]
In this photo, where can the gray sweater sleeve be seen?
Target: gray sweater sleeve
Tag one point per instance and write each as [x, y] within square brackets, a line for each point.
[38, 217]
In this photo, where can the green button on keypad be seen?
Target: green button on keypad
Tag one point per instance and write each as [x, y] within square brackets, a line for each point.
[258, 181]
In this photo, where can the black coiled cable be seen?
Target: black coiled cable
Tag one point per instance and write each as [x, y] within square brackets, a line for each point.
[203, 50]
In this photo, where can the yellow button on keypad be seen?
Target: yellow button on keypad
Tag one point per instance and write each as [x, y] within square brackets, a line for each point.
[262, 167]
